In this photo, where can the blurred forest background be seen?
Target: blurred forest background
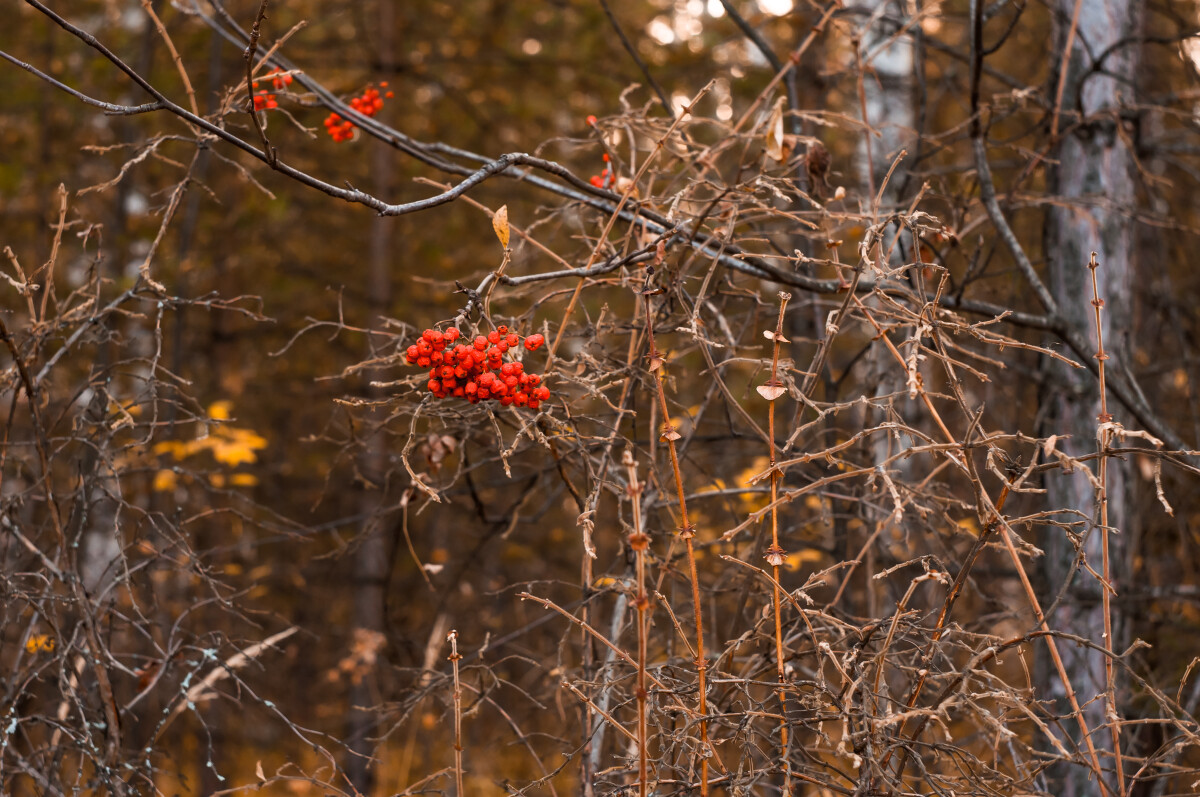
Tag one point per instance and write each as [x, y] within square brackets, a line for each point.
[237, 529]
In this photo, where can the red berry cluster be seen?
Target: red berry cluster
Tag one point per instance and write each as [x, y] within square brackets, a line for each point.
[265, 100]
[478, 372]
[369, 103]
[605, 178]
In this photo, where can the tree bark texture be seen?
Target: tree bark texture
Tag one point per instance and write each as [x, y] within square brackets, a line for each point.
[1092, 169]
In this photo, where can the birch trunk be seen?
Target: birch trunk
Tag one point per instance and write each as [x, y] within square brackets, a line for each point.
[1092, 169]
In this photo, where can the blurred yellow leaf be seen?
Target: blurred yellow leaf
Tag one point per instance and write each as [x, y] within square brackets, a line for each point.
[795, 561]
[220, 410]
[243, 480]
[969, 525]
[237, 446]
[165, 480]
[39, 643]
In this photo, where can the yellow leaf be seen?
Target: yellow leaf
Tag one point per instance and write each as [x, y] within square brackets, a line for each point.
[500, 225]
[969, 525]
[243, 480]
[39, 643]
[220, 410]
[165, 480]
[237, 446]
[797, 560]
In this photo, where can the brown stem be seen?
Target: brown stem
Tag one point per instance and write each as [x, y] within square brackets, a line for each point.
[458, 746]
[775, 554]
[639, 541]
[1104, 438]
[687, 532]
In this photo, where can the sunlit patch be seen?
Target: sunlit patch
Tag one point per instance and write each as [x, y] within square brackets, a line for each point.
[775, 7]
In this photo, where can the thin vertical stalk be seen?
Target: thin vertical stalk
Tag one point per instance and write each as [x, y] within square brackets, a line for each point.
[639, 541]
[776, 554]
[686, 532]
[458, 746]
[1104, 435]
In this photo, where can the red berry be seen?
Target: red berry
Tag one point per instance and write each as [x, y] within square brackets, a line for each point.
[452, 334]
[481, 343]
[412, 354]
[512, 340]
[521, 399]
[534, 341]
[493, 337]
[534, 404]
[434, 386]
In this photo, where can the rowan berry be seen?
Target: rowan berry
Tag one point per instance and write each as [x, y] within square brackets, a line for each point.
[481, 343]
[493, 337]
[534, 341]
[512, 339]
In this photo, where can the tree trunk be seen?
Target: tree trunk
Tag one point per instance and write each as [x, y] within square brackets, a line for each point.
[1092, 170]
[373, 557]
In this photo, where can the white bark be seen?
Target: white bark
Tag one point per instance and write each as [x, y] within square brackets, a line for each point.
[1094, 172]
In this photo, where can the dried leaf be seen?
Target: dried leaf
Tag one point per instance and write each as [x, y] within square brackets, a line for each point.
[771, 392]
[769, 334]
[774, 138]
[258, 770]
[500, 225]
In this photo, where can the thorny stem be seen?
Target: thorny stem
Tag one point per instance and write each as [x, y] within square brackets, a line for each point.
[775, 554]
[454, 658]
[1104, 434]
[639, 541]
[687, 532]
